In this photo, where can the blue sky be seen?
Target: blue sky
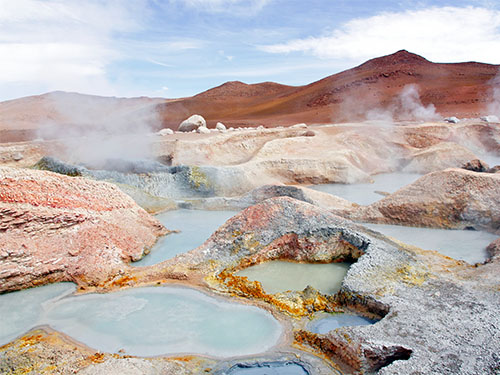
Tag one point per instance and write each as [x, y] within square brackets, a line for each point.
[176, 48]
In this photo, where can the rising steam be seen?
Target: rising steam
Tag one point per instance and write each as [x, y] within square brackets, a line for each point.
[406, 106]
[95, 129]
[494, 106]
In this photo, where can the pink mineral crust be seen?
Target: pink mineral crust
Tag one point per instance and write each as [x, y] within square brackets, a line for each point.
[60, 228]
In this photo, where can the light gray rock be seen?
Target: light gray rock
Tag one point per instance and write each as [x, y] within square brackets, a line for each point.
[490, 118]
[452, 120]
[220, 126]
[299, 126]
[203, 130]
[166, 131]
[192, 123]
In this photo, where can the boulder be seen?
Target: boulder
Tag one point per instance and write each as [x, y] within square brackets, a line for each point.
[192, 123]
[166, 131]
[203, 130]
[452, 120]
[476, 165]
[220, 127]
[59, 228]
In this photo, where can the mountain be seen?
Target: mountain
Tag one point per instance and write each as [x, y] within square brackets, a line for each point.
[455, 89]
[458, 89]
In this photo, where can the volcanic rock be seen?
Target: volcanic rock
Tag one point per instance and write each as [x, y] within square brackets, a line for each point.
[453, 198]
[452, 120]
[220, 127]
[166, 131]
[203, 130]
[59, 228]
[192, 123]
[476, 165]
[490, 118]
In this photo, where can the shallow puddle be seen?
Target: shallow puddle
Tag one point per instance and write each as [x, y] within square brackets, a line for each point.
[280, 276]
[195, 227]
[330, 322]
[468, 245]
[366, 193]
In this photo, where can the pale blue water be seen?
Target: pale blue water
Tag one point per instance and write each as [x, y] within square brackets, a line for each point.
[143, 321]
[279, 276]
[468, 245]
[331, 322]
[20, 311]
[364, 193]
[272, 368]
[196, 226]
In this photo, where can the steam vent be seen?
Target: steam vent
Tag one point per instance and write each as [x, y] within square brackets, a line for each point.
[343, 221]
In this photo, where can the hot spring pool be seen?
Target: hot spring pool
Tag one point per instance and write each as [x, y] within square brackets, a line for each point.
[143, 321]
[328, 322]
[365, 193]
[195, 227]
[468, 245]
[280, 276]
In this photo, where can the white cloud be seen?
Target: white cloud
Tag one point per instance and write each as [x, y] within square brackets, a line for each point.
[441, 34]
[61, 45]
[237, 7]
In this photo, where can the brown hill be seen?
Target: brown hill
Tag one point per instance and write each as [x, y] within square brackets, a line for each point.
[458, 89]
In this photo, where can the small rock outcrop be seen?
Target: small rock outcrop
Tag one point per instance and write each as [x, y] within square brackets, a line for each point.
[452, 120]
[453, 198]
[166, 131]
[220, 127]
[60, 228]
[476, 165]
[490, 118]
[192, 123]
[203, 130]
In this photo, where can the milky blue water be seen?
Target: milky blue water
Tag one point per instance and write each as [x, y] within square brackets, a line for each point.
[143, 321]
[20, 311]
[279, 276]
[468, 245]
[365, 193]
[195, 227]
[334, 321]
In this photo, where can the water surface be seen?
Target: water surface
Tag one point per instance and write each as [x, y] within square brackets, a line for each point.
[20, 311]
[195, 227]
[334, 321]
[365, 193]
[271, 368]
[281, 276]
[468, 245]
[164, 320]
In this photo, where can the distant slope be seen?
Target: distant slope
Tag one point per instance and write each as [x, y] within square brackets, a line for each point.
[459, 89]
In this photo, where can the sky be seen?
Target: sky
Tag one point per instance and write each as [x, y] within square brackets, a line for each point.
[178, 48]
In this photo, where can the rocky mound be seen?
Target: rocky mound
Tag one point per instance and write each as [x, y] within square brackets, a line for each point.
[55, 228]
[453, 198]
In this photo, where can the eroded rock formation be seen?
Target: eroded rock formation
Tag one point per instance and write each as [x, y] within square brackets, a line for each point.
[55, 228]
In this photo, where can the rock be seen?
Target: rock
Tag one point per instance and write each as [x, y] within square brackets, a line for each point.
[493, 250]
[299, 126]
[453, 198]
[58, 228]
[260, 127]
[438, 157]
[192, 123]
[494, 169]
[452, 120]
[166, 131]
[309, 133]
[490, 118]
[17, 156]
[476, 165]
[203, 130]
